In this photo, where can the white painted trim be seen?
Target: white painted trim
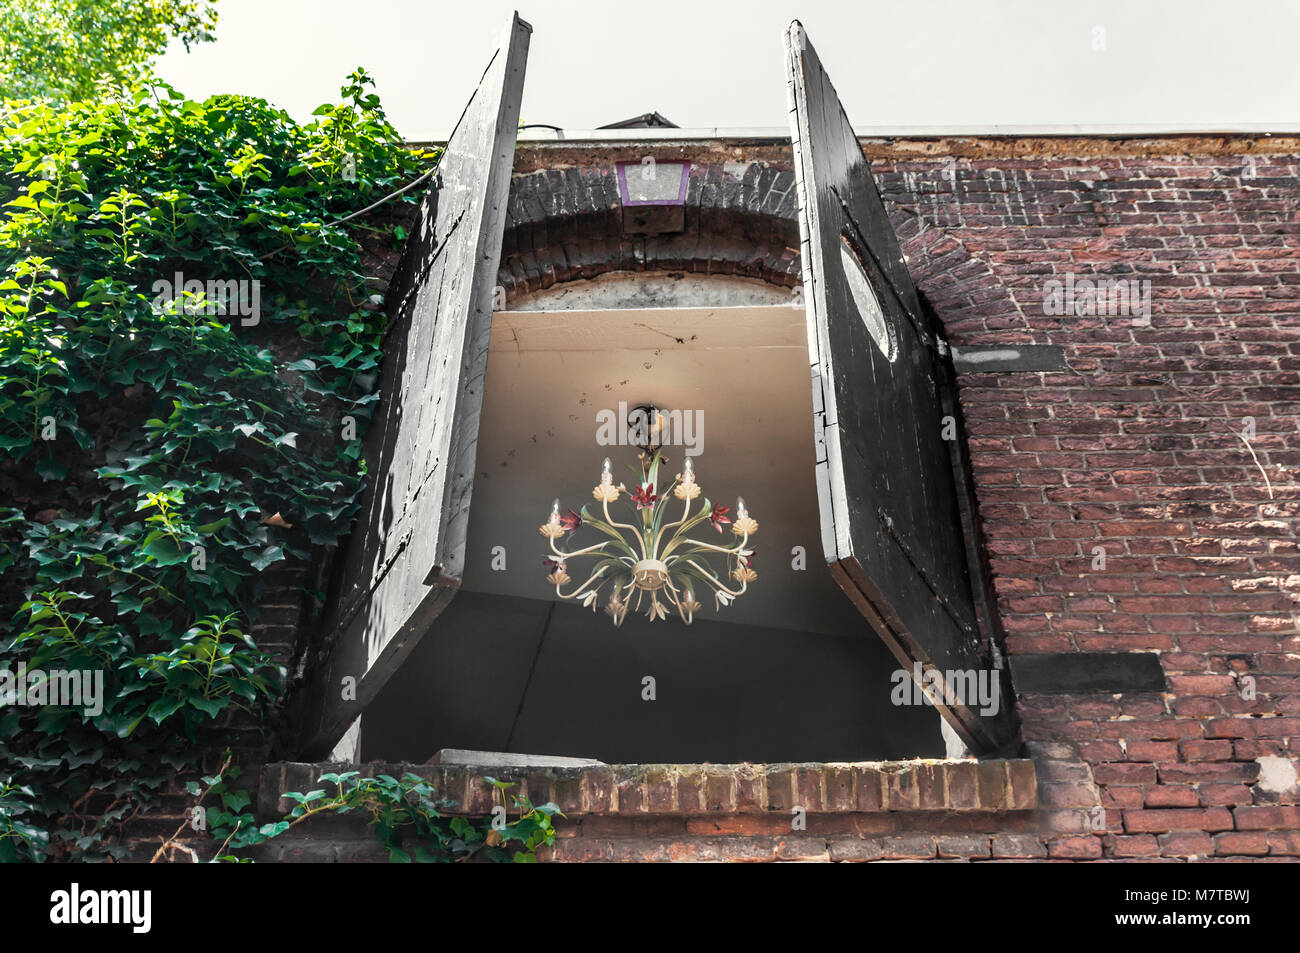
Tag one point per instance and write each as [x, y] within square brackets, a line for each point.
[777, 133]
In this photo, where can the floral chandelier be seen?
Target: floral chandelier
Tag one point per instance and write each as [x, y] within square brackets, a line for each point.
[652, 560]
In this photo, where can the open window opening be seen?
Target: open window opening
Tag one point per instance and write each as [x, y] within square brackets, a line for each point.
[786, 672]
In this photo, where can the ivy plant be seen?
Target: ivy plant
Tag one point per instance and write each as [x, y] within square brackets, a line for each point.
[186, 337]
[405, 815]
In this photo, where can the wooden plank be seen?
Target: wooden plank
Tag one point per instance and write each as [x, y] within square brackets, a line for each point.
[406, 553]
[891, 526]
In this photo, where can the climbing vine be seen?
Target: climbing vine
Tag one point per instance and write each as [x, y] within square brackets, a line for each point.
[406, 816]
[186, 343]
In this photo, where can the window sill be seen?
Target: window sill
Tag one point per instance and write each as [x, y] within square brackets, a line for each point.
[991, 786]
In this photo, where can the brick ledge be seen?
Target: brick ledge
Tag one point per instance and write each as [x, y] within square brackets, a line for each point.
[650, 789]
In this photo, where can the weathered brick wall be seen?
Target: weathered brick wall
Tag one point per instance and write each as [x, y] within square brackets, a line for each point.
[1135, 449]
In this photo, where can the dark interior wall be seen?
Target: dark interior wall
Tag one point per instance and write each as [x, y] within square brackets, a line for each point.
[501, 673]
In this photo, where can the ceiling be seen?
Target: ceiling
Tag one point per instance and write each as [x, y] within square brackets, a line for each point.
[743, 373]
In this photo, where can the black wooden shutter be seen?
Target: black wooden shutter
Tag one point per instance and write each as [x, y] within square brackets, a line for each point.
[406, 553]
[891, 527]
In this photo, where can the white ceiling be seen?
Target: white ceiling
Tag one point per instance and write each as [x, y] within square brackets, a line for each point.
[743, 370]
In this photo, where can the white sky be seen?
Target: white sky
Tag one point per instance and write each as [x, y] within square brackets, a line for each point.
[704, 64]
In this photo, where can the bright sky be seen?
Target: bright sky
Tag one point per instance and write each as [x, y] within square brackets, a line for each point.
[705, 64]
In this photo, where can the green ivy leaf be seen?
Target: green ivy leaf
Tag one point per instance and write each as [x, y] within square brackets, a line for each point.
[269, 555]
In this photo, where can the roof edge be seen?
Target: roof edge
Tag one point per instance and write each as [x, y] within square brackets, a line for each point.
[1012, 130]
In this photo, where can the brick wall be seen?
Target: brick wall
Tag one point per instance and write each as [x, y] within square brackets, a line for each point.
[1135, 449]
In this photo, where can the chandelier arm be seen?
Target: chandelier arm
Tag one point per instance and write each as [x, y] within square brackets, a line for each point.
[660, 535]
[680, 536]
[639, 535]
[615, 536]
[590, 579]
[707, 576]
[735, 594]
[578, 552]
[733, 551]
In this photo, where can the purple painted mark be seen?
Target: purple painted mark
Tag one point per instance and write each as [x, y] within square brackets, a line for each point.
[623, 193]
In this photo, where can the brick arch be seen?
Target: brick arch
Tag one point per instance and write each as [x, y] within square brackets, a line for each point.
[963, 290]
[566, 224]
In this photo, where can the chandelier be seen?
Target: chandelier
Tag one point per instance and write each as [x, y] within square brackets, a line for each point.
[651, 559]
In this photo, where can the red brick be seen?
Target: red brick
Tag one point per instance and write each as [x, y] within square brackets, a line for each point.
[780, 791]
[747, 825]
[1208, 771]
[900, 786]
[808, 788]
[1152, 751]
[855, 849]
[992, 785]
[1268, 818]
[1251, 844]
[1075, 848]
[1122, 796]
[1124, 773]
[963, 793]
[1284, 843]
[908, 847]
[1214, 795]
[839, 789]
[1139, 845]
[870, 788]
[930, 785]
[1022, 778]
[719, 789]
[1172, 795]
[1067, 794]
[1018, 846]
[690, 789]
[597, 789]
[1216, 750]
[1175, 819]
[750, 789]
[966, 845]
[1185, 844]
[660, 798]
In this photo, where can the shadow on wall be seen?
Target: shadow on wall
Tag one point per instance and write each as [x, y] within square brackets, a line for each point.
[501, 673]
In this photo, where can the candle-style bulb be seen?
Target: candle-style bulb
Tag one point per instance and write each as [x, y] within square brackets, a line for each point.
[555, 511]
[688, 471]
[606, 473]
[741, 512]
